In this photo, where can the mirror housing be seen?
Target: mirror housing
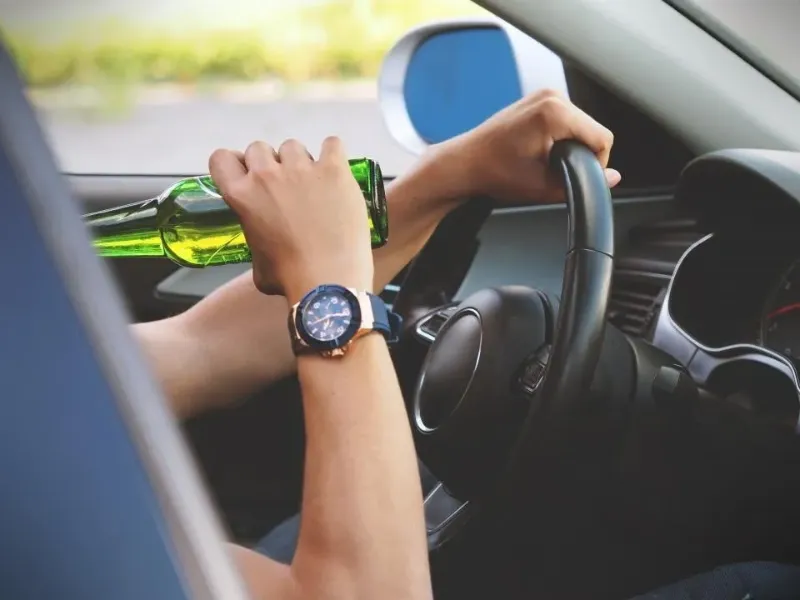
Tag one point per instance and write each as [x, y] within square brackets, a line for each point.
[446, 77]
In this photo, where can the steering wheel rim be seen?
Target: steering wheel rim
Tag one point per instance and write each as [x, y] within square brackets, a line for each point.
[588, 269]
[573, 349]
[582, 316]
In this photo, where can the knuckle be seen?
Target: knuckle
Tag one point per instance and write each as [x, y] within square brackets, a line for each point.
[295, 149]
[291, 143]
[238, 193]
[336, 172]
[551, 109]
[264, 174]
[548, 93]
[333, 140]
[294, 146]
[255, 148]
[217, 156]
[258, 152]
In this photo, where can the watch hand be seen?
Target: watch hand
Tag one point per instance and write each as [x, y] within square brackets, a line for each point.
[327, 317]
[334, 315]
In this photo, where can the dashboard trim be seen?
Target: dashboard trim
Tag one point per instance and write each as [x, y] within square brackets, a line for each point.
[704, 358]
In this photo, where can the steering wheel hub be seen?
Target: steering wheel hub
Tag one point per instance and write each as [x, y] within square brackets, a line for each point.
[450, 370]
[469, 398]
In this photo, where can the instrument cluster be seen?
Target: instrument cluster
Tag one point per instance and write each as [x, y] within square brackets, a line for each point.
[779, 327]
[731, 290]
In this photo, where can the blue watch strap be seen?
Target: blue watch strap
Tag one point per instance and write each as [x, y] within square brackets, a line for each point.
[386, 321]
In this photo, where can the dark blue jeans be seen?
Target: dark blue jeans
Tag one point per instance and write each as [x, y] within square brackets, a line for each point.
[745, 581]
[280, 543]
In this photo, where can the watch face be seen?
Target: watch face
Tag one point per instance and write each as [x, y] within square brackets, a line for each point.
[327, 316]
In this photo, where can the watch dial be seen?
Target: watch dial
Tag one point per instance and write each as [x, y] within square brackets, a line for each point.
[327, 316]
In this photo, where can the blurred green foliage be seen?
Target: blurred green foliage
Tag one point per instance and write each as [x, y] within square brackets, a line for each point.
[333, 39]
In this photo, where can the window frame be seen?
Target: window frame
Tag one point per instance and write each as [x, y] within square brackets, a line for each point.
[745, 50]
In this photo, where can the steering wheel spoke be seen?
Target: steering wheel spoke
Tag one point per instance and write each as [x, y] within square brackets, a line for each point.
[443, 512]
[429, 326]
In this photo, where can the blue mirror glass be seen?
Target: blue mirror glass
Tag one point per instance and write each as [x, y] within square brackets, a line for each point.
[457, 79]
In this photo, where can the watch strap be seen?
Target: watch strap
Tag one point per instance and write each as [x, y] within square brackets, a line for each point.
[385, 321]
[373, 317]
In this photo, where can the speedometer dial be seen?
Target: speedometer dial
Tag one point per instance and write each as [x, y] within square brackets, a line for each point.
[780, 324]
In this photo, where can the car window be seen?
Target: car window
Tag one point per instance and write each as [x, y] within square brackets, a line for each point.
[765, 31]
[153, 87]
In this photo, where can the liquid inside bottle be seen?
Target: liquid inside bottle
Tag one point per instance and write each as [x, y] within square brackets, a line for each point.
[192, 225]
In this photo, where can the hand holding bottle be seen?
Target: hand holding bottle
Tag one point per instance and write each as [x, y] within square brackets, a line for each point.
[303, 219]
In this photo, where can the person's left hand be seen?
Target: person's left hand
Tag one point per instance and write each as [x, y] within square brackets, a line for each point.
[507, 156]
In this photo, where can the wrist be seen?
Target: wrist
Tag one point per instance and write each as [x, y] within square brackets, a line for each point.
[455, 170]
[303, 282]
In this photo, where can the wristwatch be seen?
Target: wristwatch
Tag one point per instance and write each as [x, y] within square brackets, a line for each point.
[330, 317]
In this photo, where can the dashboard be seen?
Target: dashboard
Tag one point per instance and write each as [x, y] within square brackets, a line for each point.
[732, 310]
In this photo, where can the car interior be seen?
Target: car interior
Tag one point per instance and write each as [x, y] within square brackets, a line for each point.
[610, 392]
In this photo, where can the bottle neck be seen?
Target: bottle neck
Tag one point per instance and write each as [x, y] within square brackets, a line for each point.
[130, 230]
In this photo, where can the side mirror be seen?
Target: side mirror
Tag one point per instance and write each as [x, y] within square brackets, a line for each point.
[444, 78]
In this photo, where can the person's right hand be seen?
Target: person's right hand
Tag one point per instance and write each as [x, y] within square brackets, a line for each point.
[304, 220]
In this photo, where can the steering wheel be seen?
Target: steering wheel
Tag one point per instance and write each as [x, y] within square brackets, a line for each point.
[502, 366]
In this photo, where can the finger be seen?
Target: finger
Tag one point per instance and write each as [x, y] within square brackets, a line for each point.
[293, 152]
[332, 151]
[227, 169]
[613, 177]
[260, 157]
[598, 138]
[563, 120]
[238, 154]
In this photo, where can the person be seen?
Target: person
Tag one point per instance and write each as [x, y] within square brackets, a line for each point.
[353, 406]
[305, 223]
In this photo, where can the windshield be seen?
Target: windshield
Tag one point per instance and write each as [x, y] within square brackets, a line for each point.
[763, 31]
[153, 87]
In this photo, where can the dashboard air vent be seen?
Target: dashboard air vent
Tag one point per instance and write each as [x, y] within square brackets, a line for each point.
[642, 272]
[635, 301]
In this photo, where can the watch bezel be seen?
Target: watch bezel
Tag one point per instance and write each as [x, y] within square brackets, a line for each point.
[349, 333]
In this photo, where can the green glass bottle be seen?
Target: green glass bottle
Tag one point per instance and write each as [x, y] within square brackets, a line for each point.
[192, 225]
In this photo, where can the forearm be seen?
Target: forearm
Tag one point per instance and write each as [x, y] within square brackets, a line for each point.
[417, 202]
[362, 518]
[226, 347]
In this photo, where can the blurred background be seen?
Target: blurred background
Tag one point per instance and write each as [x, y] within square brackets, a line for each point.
[155, 86]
